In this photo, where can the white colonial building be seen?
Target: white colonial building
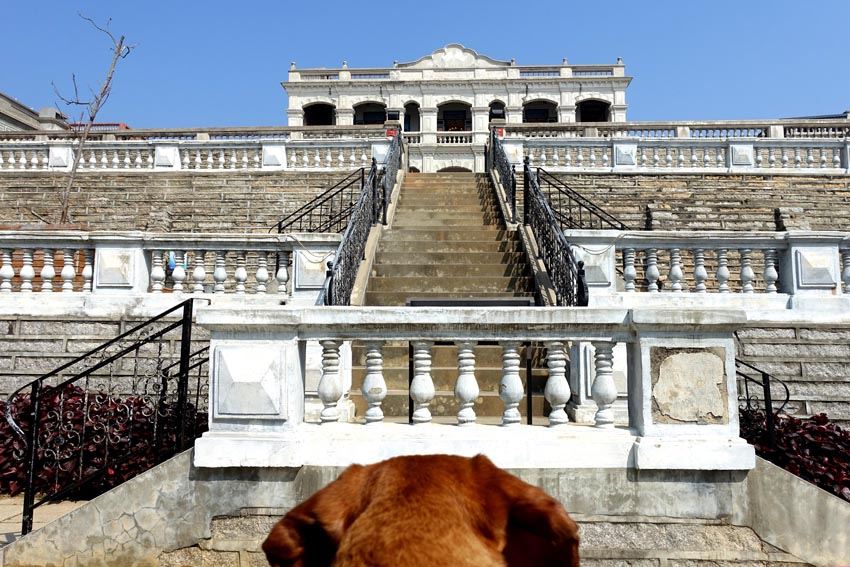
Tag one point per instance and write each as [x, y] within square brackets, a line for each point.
[446, 100]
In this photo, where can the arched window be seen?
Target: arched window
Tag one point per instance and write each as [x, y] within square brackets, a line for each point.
[411, 117]
[540, 111]
[319, 114]
[592, 110]
[454, 117]
[497, 110]
[370, 113]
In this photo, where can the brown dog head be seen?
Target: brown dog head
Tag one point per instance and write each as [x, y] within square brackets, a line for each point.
[426, 510]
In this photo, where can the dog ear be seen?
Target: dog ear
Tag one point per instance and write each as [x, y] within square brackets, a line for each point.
[539, 530]
[309, 535]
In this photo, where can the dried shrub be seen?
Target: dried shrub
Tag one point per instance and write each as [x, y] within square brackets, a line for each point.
[90, 442]
[813, 449]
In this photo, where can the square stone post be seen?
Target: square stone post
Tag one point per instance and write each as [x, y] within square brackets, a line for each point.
[811, 271]
[683, 397]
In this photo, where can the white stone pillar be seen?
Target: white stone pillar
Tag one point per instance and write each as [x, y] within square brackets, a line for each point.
[330, 384]
[557, 391]
[422, 386]
[466, 387]
[374, 388]
[604, 390]
[510, 387]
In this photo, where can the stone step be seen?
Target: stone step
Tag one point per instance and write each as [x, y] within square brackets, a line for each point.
[448, 258]
[484, 233]
[450, 285]
[400, 298]
[447, 207]
[453, 246]
[442, 271]
[444, 222]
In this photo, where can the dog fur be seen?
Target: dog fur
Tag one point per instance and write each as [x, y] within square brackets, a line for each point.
[428, 511]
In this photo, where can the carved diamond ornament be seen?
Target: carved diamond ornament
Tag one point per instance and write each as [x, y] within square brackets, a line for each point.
[249, 382]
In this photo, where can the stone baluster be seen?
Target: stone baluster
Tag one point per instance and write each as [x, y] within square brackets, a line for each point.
[422, 386]
[694, 157]
[652, 273]
[88, 269]
[199, 273]
[629, 271]
[771, 158]
[221, 159]
[179, 272]
[466, 387]
[48, 272]
[149, 159]
[567, 157]
[257, 159]
[126, 159]
[68, 271]
[557, 391]
[219, 273]
[374, 388]
[655, 157]
[669, 158]
[138, 160]
[330, 384]
[700, 273]
[784, 157]
[241, 274]
[282, 274]
[184, 158]
[675, 274]
[7, 271]
[721, 157]
[262, 275]
[579, 157]
[27, 272]
[34, 160]
[92, 160]
[836, 159]
[722, 271]
[747, 273]
[209, 158]
[197, 159]
[606, 160]
[23, 160]
[604, 391]
[770, 273]
[317, 158]
[845, 273]
[157, 271]
[510, 386]
[706, 158]
[328, 159]
[592, 157]
[233, 159]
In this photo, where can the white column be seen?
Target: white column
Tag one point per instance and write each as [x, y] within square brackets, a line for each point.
[179, 273]
[262, 275]
[27, 272]
[47, 271]
[422, 386]
[282, 274]
[722, 271]
[629, 272]
[241, 273]
[845, 273]
[219, 273]
[700, 273]
[604, 391]
[68, 271]
[747, 274]
[7, 271]
[374, 386]
[770, 273]
[652, 272]
[88, 270]
[466, 387]
[330, 384]
[676, 276]
[157, 271]
[557, 391]
[199, 273]
[510, 387]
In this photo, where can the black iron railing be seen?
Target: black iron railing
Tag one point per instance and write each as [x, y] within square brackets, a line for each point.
[116, 411]
[749, 376]
[572, 209]
[369, 209]
[566, 274]
[497, 160]
[330, 211]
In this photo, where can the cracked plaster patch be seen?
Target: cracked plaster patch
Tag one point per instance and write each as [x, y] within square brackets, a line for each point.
[689, 386]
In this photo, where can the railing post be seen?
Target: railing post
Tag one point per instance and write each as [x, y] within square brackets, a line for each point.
[582, 293]
[32, 460]
[525, 174]
[513, 193]
[768, 408]
[183, 377]
[384, 197]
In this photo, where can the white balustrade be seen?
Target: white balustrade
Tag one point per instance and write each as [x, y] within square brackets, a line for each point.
[374, 387]
[330, 384]
[557, 390]
[422, 385]
[466, 387]
[454, 137]
[510, 386]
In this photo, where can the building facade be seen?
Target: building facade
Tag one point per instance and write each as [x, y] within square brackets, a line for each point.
[445, 101]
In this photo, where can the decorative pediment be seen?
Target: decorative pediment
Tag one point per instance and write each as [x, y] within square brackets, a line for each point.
[454, 56]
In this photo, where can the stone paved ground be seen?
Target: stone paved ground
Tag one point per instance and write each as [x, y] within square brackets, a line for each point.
[10, 516]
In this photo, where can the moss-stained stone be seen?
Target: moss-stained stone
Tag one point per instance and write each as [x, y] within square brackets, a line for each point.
[689, 385]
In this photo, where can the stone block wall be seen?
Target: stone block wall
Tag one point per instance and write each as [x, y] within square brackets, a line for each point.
[813, 361]
[169, 202]
[31, 346]
[720, 202]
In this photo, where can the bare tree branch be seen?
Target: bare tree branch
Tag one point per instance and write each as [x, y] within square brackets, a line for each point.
[120, 50]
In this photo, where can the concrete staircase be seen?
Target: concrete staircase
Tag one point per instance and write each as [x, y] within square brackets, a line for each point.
[605, 540]
[447, 241]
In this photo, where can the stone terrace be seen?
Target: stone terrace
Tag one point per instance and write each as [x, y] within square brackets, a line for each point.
[719, 202]
[172, 202]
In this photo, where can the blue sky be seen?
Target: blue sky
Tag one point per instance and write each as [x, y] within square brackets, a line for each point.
[213, 62]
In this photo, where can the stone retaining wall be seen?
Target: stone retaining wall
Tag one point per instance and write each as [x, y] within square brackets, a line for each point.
[169, 202]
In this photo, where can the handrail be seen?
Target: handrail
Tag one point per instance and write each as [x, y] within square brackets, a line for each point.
[498, 160]
[80, 431]
[751, 402]
[572, 209]
[567, 276]
[319, 215]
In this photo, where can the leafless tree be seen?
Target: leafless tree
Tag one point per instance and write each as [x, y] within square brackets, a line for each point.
[90, 107]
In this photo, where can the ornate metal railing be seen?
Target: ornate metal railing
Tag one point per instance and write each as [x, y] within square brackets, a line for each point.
[498, 161]
[370, 209]
[566, 275]
[330, 211]
[752, 402]
[571, 208]
[118, 410]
